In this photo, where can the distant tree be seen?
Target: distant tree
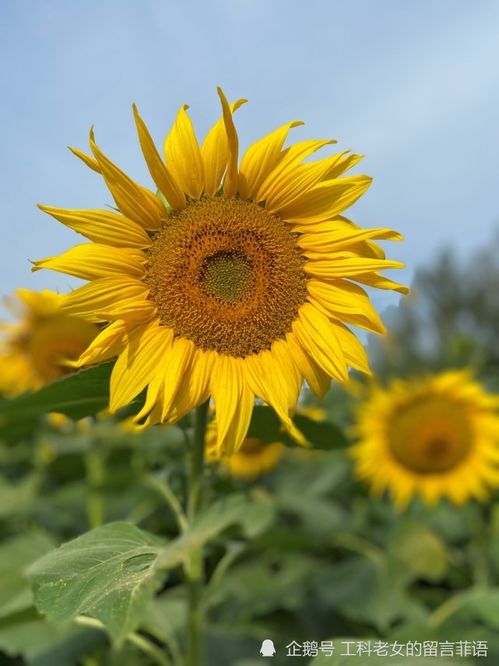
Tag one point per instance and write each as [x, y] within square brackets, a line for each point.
[451, 318]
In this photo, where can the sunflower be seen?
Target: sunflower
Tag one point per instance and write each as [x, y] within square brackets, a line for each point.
[232, 281]
[35, 348]
[254, 457]
[437, 437]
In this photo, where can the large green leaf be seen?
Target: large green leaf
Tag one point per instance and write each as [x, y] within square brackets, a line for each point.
[109, 573]
[81, 394]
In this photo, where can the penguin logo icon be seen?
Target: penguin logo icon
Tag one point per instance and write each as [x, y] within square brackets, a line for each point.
[267, 649]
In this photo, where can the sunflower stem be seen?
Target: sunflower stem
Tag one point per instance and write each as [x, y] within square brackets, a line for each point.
[194, 566]
[96, 474]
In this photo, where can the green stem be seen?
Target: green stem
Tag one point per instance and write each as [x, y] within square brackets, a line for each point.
[136, 639]
[194, 565]
[161, 486]
[95, 476]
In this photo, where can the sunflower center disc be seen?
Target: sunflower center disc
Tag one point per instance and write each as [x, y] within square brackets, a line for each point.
[227, 275]
[430, 436]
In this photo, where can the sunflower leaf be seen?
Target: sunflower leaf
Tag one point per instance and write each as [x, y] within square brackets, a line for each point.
[109, 573]
[81, 394]
[265, 425]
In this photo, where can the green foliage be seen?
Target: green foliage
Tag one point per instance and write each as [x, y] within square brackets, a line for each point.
[81, 394]
[265, 425]
[301, 554]
[109, 573]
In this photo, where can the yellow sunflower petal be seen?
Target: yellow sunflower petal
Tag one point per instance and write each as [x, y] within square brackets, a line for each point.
[110, 342]
[261, 158]
[233, 403]
[373, 279]
[335, 235]
[318, 380]
[164, 386]
[266, 380]
[289, 370]
[40, 303]
[344, 267]
[195, 386]
[231, 177]
[216, 153]
[90, 161]
[354, 352]
[137, 364]
[316, 335]
[290, 158]
[177, 367]
[297, 179]
[163, 179]
[110, 298]
[345, 163]
[327, 199]
[101, 226]
[347, 301]
[133, 200]
[93, 261]
[183, 156]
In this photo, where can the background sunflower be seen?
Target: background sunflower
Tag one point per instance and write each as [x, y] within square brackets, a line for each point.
[437, 437]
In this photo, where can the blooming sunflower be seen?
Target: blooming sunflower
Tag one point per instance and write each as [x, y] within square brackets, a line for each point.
[34, 348]
[436, 437]
[232, 281]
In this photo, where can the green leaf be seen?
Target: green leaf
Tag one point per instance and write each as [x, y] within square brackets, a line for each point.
[254, 517]
[321, 434]
[16, 555]
[484, 605]
[109, 573]
[18, 498]
[422, 552]
[44, 644]
[265, 425]
[78, 395]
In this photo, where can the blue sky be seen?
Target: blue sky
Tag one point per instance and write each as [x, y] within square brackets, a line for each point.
[412, 85]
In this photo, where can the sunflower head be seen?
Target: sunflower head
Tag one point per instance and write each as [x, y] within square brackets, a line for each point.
[35, 348]
[436, 437]
[254, 458]
[231, 279]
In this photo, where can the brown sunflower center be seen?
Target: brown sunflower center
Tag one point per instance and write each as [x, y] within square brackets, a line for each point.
[227, 275]
[430, 435]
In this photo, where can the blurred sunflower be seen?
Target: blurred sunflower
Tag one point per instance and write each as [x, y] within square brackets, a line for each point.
[230, 282]
[34, 348]
[436, 437]
[254, 457]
